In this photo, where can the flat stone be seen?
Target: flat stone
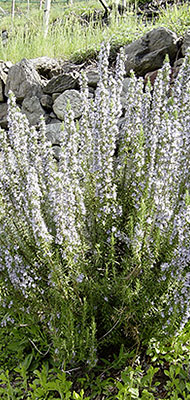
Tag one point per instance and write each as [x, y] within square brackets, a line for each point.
[61, 83]
[69, 96]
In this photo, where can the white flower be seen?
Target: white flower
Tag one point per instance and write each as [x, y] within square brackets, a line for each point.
[80, 278]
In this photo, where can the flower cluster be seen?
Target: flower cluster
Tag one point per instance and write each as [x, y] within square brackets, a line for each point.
[63, 224]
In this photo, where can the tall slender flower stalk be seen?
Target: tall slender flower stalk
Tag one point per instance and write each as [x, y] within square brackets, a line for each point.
[97, 244]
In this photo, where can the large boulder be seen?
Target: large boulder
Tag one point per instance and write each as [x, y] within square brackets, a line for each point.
[148, 53]
[60, 83]
[32, 108]
[69, 96]
[23, 80]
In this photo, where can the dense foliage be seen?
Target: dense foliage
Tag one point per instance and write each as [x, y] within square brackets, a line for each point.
[95, 248]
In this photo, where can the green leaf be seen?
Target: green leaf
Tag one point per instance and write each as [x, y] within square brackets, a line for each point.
[77, 396]
[119, 385]
[125, 378]
[154, 358]
[134, 393]
[147, 395]
[177, 370]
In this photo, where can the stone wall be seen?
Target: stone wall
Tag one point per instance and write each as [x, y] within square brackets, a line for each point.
[43, 86]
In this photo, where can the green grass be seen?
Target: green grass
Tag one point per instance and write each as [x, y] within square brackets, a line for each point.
[68, 38]
[73, 34]
[176, 18]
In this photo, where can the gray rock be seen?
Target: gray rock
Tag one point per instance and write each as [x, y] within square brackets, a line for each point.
[47, 67]
[32, 108]
[3, 115]
[61, 83]
[54, 120]
[124, 91]
[186, 42]
[148, 53]
[23, 80]
[4, 36]
[1, 91]
[54, 133]
[93, 77]
[4, 69]
[178, 63]
[91, 91]
[55, 96]
[53, 117]
[60, 105]
[46, 101]
[57, 151]
[126, 83]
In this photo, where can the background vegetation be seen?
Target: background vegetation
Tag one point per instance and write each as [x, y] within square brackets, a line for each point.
[77, 32]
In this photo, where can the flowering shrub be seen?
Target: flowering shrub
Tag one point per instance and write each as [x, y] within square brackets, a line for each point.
[96, 247]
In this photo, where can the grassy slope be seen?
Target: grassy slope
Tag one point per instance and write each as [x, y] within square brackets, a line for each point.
[73, 34]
